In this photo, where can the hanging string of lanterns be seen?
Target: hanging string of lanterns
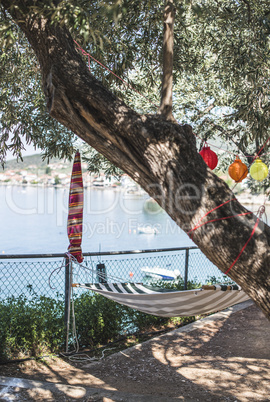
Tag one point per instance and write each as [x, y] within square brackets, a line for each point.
[238, 171]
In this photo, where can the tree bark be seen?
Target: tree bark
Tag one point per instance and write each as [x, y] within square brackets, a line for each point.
[159, 155]
[167, 73]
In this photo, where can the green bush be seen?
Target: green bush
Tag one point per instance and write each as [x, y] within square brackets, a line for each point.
[224, 280]
[30, 326]
[177, 284]
[33, 325]
[98, 319]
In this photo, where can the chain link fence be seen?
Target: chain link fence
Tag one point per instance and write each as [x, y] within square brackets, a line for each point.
[45, 274]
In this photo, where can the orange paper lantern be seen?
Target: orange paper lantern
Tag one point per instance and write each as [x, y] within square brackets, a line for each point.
[238, 170]
[209, 157]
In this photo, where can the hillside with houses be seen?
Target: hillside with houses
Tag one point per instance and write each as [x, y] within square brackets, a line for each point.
[36, 171]
[33, 170]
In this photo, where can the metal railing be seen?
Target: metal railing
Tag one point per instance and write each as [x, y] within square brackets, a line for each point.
[45, 274]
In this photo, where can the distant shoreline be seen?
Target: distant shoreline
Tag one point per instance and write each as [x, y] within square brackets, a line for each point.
[245, 199]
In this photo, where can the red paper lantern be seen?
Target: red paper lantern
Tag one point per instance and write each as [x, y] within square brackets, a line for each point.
[238, 170]
[209, 157]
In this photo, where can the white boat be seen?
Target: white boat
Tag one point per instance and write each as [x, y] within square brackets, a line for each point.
[133, 192]
[101, 182]
[147, 230]
[161, 273]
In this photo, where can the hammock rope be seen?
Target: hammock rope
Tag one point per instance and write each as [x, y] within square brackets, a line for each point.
[110, 71]
[261, 211]
[94, 271]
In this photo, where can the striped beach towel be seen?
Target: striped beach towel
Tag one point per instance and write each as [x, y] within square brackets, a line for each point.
[75, 215]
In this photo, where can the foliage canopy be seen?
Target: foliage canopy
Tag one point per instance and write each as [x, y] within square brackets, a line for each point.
[221, 69]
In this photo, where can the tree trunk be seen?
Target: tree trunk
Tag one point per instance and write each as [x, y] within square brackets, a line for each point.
[167, 74]
[159, 155]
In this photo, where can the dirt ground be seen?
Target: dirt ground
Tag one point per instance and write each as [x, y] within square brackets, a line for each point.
[224, 357]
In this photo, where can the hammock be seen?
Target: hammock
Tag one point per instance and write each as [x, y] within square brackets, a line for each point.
[160, 302]
[169, 303]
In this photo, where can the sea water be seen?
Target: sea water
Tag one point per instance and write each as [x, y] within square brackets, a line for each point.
[34, 219]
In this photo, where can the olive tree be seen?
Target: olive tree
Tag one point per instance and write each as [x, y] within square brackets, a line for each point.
[153, 148]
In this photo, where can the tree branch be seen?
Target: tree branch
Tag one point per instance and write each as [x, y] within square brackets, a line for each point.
[167, 77]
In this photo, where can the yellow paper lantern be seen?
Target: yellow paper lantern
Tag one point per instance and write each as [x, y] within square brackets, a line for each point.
[258, 170]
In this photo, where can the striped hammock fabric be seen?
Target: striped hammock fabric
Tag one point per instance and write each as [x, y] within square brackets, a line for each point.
[169, 303]
[75, 215]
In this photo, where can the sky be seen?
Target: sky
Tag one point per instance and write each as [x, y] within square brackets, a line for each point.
[29, 150]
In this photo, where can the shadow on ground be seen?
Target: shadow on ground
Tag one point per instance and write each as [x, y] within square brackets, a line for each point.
[226, 358]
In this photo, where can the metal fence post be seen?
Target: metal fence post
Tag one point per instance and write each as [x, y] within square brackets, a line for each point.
[68, 273]
[67, 286]
[186, 268]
